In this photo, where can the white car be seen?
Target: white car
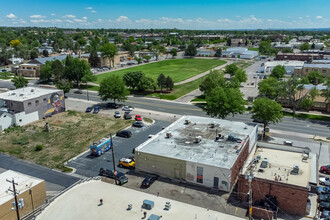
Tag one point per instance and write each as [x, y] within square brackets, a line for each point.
[324, 181]
[127, 108]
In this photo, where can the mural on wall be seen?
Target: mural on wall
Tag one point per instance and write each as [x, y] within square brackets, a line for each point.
[55, 104]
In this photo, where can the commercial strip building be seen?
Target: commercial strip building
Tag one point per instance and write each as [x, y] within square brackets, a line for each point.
[323, 68]
[306, 57]
[203, 151]
[281, 174]
[32, 194]
[83, 202]
[29, 104]
[239, 52]
[290, 66]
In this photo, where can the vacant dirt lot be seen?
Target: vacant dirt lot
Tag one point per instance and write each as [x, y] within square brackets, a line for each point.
[70, 134]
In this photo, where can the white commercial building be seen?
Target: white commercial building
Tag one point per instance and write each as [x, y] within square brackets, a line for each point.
[290, 66]
[239, 52]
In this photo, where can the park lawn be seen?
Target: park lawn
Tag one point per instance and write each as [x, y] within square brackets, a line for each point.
[177, 69]
[180, 90]
[307, 116]
[71, 134]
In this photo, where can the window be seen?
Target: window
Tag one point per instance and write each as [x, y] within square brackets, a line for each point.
[20, 120]
[199, 175]
[306, 70]
[44, 100]
[29, 104]
[37, 102]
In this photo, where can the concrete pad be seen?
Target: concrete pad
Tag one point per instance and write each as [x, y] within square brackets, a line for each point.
[83, 202]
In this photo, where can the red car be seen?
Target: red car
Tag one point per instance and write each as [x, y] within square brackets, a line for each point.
[325, 169]
[138, 117]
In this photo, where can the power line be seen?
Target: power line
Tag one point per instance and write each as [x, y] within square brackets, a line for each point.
[15, 196]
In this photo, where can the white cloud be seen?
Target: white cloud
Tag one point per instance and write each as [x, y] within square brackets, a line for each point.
[37, 16]
[99, 20]
[85, 18]
[11, 16]
[89, 8]
[93, 11]
[69, 16]
[300, 18]
[69, 21]
[225, 20]
[319, 17]
[251, 20]
[123, 19]
[52, 14]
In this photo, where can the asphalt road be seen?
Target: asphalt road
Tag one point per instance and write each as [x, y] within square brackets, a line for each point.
[304, 126]
[55, 180]
[89, 166]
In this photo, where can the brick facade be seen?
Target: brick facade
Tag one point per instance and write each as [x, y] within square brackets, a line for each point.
[236, 168]
[300, 56]
[260, 213]
[291, 199]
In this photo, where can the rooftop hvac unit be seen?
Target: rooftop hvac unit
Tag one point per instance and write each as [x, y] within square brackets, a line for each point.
[187, 122]
[295, 170]
[264, 163]
[198, 139]
[32, 90]
[168, 135]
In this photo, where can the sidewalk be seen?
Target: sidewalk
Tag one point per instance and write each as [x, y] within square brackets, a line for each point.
[307, 113]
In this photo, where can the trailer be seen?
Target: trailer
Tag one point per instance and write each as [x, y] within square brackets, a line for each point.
[101, 146]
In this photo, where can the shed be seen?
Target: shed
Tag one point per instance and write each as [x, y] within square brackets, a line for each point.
[148, 204]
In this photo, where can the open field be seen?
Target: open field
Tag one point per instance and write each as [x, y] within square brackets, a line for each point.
[71, 133]
[177, 69]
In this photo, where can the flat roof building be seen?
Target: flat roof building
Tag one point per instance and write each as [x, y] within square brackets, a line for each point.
[203, 151]
[290, 66]
[323, 68]
[32, 193]
[281, 173]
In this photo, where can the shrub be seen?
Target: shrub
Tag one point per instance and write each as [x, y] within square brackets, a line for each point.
[39, 147]
[72, 113]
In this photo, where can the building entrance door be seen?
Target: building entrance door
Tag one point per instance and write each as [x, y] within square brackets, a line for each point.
[216, 182]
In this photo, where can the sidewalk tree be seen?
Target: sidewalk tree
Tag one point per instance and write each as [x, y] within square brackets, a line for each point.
[221, 102]
[173, 52]
[138, 59]
[147, 58]
[132, 79]
[191, 50]
[169, 83]
[231, 69]
[315, 77]
[240, 75]
[64, 85]
[20, 81]
[113, 87]
[267, 110]
[109, 51]
[75, 69]
[213, 79]
[278, 72]
[326, 92]
[269, 87]
[161, 81]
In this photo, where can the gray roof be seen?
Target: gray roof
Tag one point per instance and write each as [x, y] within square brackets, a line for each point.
[43, 60]
[317, 65]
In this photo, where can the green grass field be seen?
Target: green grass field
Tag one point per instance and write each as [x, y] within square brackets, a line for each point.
[177, 69]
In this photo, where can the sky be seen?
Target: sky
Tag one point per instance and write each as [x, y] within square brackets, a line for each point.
[184, 14]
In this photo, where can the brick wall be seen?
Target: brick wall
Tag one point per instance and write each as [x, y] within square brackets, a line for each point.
[244, 153]
[291, 199]
[260, 213]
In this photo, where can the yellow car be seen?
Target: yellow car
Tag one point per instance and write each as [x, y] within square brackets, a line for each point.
[126, 162]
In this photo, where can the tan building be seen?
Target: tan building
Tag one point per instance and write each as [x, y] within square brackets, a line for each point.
[29, 70]
[322, 68]
[105, 62]
[32, 194]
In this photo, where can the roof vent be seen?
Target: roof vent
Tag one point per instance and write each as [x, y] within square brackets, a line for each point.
[32, 90]
[168, 135]
[264, 163]
[295, 170]
[212, 125]
[186, 122]
[198, 139]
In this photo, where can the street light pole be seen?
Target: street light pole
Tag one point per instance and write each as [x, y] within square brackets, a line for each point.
[113, 160]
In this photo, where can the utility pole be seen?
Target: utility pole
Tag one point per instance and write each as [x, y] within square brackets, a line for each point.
[15, 196]
[113, 160]
[249, 177]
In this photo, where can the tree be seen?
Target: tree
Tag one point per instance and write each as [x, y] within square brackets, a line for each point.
[228, 42]
[146, 83]
[169, 83]
[75, 69]
[161, 81]
[224, 101]
[315, 77]
[33, 54]
[304, 46]
[147, 58]
[113, 87]
[20, 81]
[191, 50]
[218, 52]
[313, 46]
[278, 72]
[57, 69]
[109, 51]
[46, 71]
[94, 59]
[64, 85]
[173, 52]
[265, 47]
[231, 69]
[306, 104]
[269, 87]
[16, 44]
[240, 75]
[45, 53]
[82, 42]
[266, 110]
[138, 59]
[88, 77]
[132, 79]
[212, 80]
[326, 92]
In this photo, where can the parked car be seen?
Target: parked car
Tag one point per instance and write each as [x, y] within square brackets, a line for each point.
[324, 181]
[96, 109]
[325, 169]
[112, 105]
[289, 143]
[325, 214]
[138, 118]
[78, 92]
[323, 198]
[127, 108]
[126, 162]
[323, 189]
[127, 115]
[138, 124]
[124, 133]
[89, 109]
[121, 177]
[324, 206]
[150, 179]
[117, 114]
